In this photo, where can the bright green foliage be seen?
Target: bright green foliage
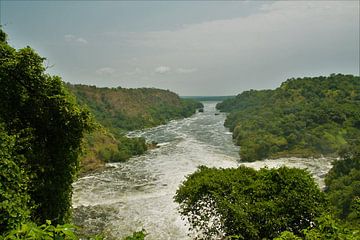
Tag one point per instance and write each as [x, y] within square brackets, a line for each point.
[43, 232]
[303, 117]
[14, 199]
[249, 204]
[37, 108]
[137, 236]
[47, 231]
[286, 235]
[343, 186]
[325, 227]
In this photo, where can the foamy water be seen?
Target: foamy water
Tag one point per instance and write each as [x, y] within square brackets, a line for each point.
[138, 194]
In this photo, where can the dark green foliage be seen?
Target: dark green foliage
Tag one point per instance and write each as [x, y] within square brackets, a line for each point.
[14, 199]
[249, 204]
[343, 191]
[343, 186]
[37, 107]
[127, 147]
[303, 117]
[3, 36]
[130, 147]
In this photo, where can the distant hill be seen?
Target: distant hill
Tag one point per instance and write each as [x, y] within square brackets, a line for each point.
[208, 98]
[119, 110]
[303, 117]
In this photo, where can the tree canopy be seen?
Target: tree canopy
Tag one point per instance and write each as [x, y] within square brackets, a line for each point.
[39, 114]
[249, 204]
[303, 117]
[343, 186]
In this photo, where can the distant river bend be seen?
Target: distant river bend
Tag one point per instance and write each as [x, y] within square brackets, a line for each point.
[138, 194]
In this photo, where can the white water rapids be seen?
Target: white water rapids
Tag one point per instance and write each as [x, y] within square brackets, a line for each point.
[138, 194]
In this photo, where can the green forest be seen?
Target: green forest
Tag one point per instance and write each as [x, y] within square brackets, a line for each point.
[304, 117]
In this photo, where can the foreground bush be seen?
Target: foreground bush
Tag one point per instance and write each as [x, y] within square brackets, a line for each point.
[249, 204]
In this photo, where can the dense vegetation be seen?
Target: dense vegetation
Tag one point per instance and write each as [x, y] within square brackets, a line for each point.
[41, 132]
[249, 204]
[121, 109]
[343, 186]
[118, 110]
[282, 203]
[303, 117]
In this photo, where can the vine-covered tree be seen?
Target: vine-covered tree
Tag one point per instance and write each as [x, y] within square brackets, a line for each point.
[36, 107]
[14, 199]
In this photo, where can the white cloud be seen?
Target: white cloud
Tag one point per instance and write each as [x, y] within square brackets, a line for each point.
[72, 38]
[105, 71]
[186, 70]
[162, 69]
[136, 71]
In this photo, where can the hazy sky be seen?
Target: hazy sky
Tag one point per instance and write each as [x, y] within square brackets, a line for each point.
[192, 48]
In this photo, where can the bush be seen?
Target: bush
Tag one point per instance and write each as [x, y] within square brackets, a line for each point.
[249, 204]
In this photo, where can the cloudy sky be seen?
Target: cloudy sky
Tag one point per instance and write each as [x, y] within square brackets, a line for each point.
[192, 48]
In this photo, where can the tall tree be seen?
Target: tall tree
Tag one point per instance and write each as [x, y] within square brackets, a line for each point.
[37, 107]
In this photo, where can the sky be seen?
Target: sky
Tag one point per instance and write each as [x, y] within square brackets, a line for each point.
[194, 48]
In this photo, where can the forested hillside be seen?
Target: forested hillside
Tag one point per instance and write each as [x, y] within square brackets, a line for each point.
[303, 117]
[122, 109]
[118, 110]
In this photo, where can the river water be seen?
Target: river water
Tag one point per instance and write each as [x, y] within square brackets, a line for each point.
[138, 194]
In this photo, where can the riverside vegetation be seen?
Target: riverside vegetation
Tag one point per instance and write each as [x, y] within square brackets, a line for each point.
[303, 117]
[42, 127]
[119, 110]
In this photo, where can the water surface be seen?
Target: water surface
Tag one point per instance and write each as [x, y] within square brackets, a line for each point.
[137, 194]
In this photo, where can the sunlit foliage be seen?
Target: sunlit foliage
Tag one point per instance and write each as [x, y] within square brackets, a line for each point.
[47, 125]
[249, 204]
[303, 117]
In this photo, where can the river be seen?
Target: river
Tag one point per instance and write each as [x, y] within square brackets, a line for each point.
[138, 194]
